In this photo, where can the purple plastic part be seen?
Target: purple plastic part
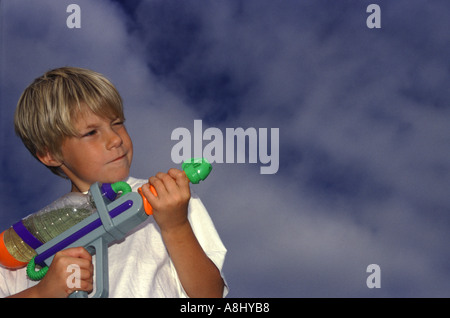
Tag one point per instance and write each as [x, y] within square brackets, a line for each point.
[108, 192]
[26, 235]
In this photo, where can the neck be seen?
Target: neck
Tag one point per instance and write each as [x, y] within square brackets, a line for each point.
[75, 188]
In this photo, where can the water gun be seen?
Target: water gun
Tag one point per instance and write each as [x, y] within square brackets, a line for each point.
[113, 218]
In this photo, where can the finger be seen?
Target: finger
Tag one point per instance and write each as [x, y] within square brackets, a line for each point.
[77, 252]
[165, 185]
[81, 284]
[86, 286]
[76, 269]
[150, 193]
[81, 275]
[87, 275]
[158, 183]
[174, 173]
[181, 180]
[169, 183]
[179, 176]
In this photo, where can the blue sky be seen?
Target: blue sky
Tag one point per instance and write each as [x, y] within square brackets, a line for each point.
[362, 114]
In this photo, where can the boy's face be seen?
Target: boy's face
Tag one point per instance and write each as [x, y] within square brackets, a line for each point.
[102, 152]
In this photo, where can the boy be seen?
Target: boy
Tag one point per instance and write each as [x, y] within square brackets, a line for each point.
[72, 121]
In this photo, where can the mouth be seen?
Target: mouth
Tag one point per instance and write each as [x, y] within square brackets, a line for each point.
[119, 158]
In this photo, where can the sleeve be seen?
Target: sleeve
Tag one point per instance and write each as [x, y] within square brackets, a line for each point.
[13, 281]
[207, 235]
[3, 284]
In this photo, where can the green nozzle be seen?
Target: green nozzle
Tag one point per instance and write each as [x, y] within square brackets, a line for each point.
[197, 169]
[121, 186]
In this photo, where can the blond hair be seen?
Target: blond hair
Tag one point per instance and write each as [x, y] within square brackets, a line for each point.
[48, 108]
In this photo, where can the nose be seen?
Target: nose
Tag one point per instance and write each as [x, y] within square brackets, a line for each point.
[113, 139]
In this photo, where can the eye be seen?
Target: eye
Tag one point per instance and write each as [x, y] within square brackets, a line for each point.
[118, 122]
[90, 133]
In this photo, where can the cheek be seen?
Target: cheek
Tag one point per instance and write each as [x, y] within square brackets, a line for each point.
[85, 165]
[128, 144]
[82, 159]
[130, 151]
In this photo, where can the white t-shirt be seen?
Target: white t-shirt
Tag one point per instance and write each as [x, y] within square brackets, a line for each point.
[139, 265]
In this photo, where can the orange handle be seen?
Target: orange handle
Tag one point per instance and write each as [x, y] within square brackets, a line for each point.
[147, 207]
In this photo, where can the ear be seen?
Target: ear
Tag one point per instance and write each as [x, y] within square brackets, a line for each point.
[49, 159]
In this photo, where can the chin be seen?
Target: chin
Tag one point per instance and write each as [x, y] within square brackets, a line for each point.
[121, 177]
[124, 175]
[117, 176]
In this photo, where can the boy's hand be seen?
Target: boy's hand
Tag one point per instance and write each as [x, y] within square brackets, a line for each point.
[171, 205]
[55, 283]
